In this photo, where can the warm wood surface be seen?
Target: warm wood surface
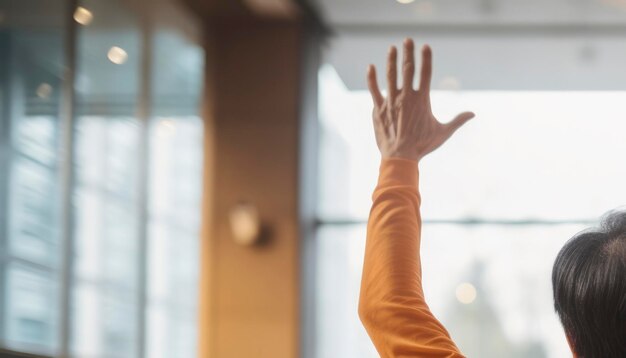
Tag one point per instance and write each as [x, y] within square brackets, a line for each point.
[250, 295]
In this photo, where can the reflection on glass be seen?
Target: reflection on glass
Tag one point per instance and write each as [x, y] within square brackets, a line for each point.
[37, 138]
[117, 55]
[107, 162]
[32, 316]
[32, 221]
[107, 281]
[175, 190]
[83, 16]
[30, 82]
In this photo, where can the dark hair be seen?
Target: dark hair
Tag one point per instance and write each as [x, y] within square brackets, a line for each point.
[589, 287]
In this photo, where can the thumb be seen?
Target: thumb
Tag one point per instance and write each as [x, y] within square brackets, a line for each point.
[459, 121]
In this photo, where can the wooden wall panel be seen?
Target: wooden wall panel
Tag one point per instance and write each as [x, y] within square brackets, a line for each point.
[250, 295]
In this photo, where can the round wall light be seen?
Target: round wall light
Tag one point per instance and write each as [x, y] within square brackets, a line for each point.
[245, 223]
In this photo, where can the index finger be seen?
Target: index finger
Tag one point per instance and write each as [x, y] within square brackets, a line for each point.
[372, 83]
[392, 72]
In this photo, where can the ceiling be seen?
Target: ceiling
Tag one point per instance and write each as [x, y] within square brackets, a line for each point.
[480, 12]
[487, 44]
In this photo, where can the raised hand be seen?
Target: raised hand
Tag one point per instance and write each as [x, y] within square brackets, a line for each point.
[404, 124]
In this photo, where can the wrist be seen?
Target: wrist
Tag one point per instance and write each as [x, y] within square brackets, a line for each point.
[398, 171]
[402, 156]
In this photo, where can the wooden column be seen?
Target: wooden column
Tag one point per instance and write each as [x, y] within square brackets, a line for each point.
[249, 299]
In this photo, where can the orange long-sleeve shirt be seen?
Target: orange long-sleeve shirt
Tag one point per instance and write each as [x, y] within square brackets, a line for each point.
[392, 305]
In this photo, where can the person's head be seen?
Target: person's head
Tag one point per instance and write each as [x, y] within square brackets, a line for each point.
[589, 287]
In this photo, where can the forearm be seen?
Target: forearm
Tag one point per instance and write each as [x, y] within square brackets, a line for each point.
[392, 305]
[392, 263]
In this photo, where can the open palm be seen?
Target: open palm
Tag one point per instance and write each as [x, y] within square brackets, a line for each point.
[404, 124]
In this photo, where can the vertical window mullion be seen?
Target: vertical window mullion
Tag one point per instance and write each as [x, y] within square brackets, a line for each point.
[4, 180]
[143, 116]
[66, 232]
[309, 188]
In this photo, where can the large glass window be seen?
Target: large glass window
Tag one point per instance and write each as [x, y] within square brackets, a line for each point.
[175, 142]
[106, 197]
[133, 199]
[31, 55]
[498, 202]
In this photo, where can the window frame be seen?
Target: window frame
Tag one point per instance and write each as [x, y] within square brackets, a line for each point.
[65, 184]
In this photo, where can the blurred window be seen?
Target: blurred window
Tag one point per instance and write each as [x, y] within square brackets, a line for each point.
[175, 190]
[498, 202]
[30, 260]
[136, 163]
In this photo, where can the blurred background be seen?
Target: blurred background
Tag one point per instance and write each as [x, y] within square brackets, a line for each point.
[192, 178]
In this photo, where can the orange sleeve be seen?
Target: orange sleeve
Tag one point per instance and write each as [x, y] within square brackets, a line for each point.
[392, 305]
